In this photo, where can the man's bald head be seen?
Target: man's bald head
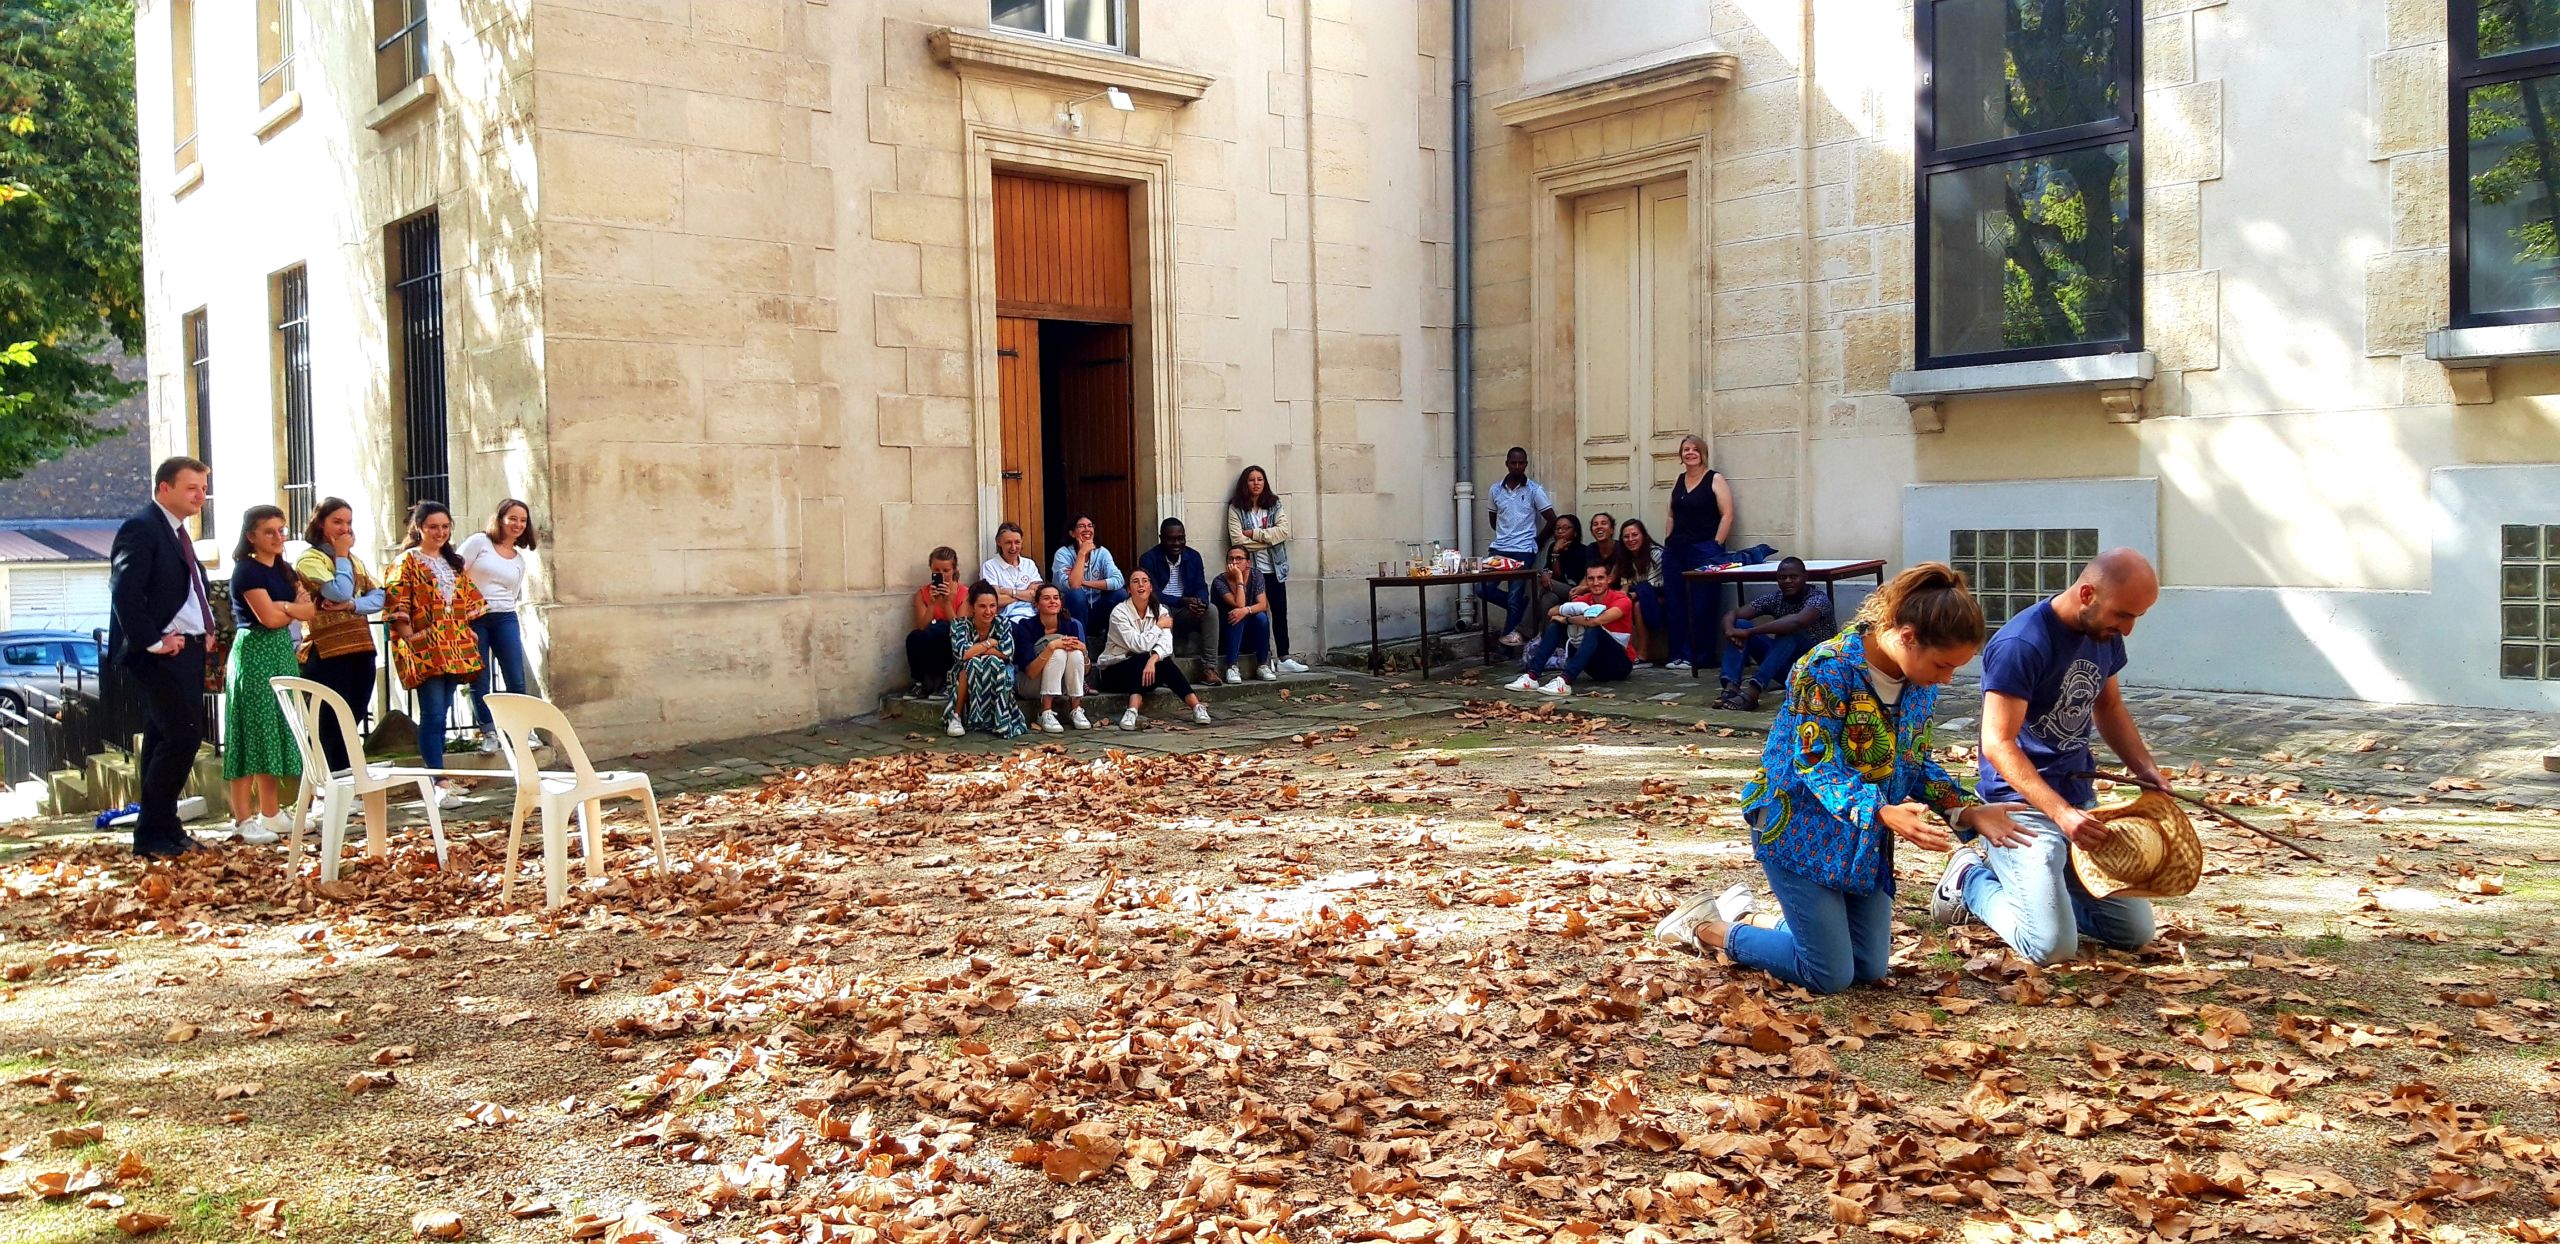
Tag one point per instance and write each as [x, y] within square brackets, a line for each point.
[2115, 589]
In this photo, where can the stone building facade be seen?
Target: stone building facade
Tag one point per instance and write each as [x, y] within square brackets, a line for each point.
[721, 297]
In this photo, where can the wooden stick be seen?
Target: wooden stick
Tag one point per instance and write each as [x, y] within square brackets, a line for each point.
[2210, 810]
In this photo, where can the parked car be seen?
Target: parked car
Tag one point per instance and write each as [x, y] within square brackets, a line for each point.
[47, 661]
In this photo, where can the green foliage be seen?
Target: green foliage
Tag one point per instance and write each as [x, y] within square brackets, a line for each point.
[70, 221]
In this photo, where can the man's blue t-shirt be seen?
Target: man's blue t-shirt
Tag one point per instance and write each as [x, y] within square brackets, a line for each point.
[2059, 672]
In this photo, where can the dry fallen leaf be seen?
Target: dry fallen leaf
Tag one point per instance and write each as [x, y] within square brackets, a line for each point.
[178, 1033]
[437, 1224]
[142, 1222]
[368, 1081]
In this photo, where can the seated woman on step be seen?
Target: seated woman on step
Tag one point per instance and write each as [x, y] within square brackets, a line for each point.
[1138, 657]
[981, 694]
[1049, 659]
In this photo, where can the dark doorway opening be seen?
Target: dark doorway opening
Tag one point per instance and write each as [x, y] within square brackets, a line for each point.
[1085, 435]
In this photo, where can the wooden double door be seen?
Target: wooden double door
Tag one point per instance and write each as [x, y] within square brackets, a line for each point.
[1064, 364]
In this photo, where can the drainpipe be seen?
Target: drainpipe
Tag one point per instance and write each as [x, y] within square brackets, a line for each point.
[1462, 136]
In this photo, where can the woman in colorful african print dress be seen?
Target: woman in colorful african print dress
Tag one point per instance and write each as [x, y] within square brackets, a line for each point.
[258, 749]
[982, 671]
[431, 608]
[1846, 771]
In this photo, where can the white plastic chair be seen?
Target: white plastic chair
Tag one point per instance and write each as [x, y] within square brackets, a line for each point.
[302, 700]
[517, 718]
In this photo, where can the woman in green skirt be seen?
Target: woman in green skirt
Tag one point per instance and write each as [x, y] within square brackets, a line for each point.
[258, 749]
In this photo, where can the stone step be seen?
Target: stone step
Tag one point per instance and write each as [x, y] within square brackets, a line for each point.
[1097, 704]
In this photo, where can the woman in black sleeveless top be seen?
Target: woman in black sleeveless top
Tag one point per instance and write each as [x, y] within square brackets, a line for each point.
[1701, 519]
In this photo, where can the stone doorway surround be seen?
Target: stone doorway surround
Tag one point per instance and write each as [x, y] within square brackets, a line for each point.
[1013, 92]
[1617, 125]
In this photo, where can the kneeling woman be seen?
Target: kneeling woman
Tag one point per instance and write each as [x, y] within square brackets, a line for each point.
[982, 671]
[1846, 771]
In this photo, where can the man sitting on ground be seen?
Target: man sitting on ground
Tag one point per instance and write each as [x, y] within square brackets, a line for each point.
[2048, 679]
[934, 606]
[1768, 635]
[1598, 621]
[1182, 586]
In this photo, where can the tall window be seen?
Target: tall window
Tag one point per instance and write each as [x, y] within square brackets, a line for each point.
[399, 44]
[2505, 171]
[1099, 22]
[417, 289]
[199, 348]
[182, 81]
[2030, 174]
[293, 391]
[275, 50]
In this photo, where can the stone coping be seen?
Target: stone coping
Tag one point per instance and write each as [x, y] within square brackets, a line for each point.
[2469, 354]
[2118, 379]
[409, 99]
[968, 49]
[1698, 68]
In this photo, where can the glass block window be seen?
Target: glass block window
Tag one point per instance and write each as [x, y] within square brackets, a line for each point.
[2529, 601]
[2011, 568]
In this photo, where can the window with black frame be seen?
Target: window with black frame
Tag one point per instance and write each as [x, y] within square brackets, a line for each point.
[2505, 173]
[2029, 238]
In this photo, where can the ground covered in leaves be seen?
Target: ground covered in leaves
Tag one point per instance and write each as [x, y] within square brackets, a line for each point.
[1391, 984]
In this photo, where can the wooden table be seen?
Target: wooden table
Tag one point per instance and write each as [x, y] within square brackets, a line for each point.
[1825, 571]
[1422, 585]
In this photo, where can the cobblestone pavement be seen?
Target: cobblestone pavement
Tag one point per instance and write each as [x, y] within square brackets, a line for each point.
[2391, 752]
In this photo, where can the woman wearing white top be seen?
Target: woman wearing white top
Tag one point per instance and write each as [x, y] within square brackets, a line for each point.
[494, 559]
[1015, 578]
[1139, 656]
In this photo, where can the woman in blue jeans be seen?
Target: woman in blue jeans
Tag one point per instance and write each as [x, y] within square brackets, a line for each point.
[1701, 522]
[1846, 771]
[494, 558]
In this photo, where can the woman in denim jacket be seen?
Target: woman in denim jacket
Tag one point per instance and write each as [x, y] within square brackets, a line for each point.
[1846, 771]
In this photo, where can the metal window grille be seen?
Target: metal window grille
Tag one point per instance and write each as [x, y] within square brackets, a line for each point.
[418, 284]
[2529, 601]
[2013, 568]
[200, 384]
[2031, 157]
[400, 44]
[293, 347]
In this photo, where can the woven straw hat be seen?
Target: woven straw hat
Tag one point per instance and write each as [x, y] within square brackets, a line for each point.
[2153, 852]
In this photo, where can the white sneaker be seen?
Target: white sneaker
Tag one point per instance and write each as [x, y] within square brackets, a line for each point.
[951, 726]
[1292, 665]
[258, 831]
[1200, 713]
[441, 794]
[1556, 686]
[1235, 675]
[1640, 665]
[1129, 719]
[1675, 665]
[1525, 682]
[1049, 722]
[1946, 903]
[1680, 928]
[489, 745]
[1267, 672]
[1076, 718]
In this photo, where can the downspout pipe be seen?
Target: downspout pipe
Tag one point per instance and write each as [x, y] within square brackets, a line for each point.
[1462, 143]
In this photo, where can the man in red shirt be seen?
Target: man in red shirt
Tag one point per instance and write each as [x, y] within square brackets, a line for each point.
[1599, 620]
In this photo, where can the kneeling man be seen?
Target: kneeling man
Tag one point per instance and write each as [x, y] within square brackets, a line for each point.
[2048, 681]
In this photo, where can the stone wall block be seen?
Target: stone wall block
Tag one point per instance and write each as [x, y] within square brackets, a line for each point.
[1883, 188]
[2182, 319]
[2168, 51]
[2409, 23]
[2404, 296]
[1760, 216]
[2182, 134]
[928, 322]
[2418, 206]
[926, 422]
[726, 121]
[1751, 362]
[721, 263]
[2407, 91]
[607, 180]
[1351, 469]
[1759, 312]
[1755, 174]
[1875, 345]
[567, 103]
[929, 219]
[2172, 228]
[1771, 261]
[640, 313]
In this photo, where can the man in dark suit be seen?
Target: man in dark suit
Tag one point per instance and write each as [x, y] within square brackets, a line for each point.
[158, 637]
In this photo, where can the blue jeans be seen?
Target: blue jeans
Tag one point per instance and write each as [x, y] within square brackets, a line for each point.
[1697, 612]
[501, 652]
[1512, 595]
[1092, 607]
[2030, 897]
[435, 706]
[1772, 656]
[1255, 628]
[1595, 651]
[1828, 941]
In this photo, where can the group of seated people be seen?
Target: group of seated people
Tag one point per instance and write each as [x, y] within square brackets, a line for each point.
[1599, 600]
[985, 648]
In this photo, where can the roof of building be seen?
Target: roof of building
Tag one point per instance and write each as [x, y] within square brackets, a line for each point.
[65, 542]
[107, 480]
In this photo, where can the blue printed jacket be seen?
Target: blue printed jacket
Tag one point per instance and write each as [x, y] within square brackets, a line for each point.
[1836, 755]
